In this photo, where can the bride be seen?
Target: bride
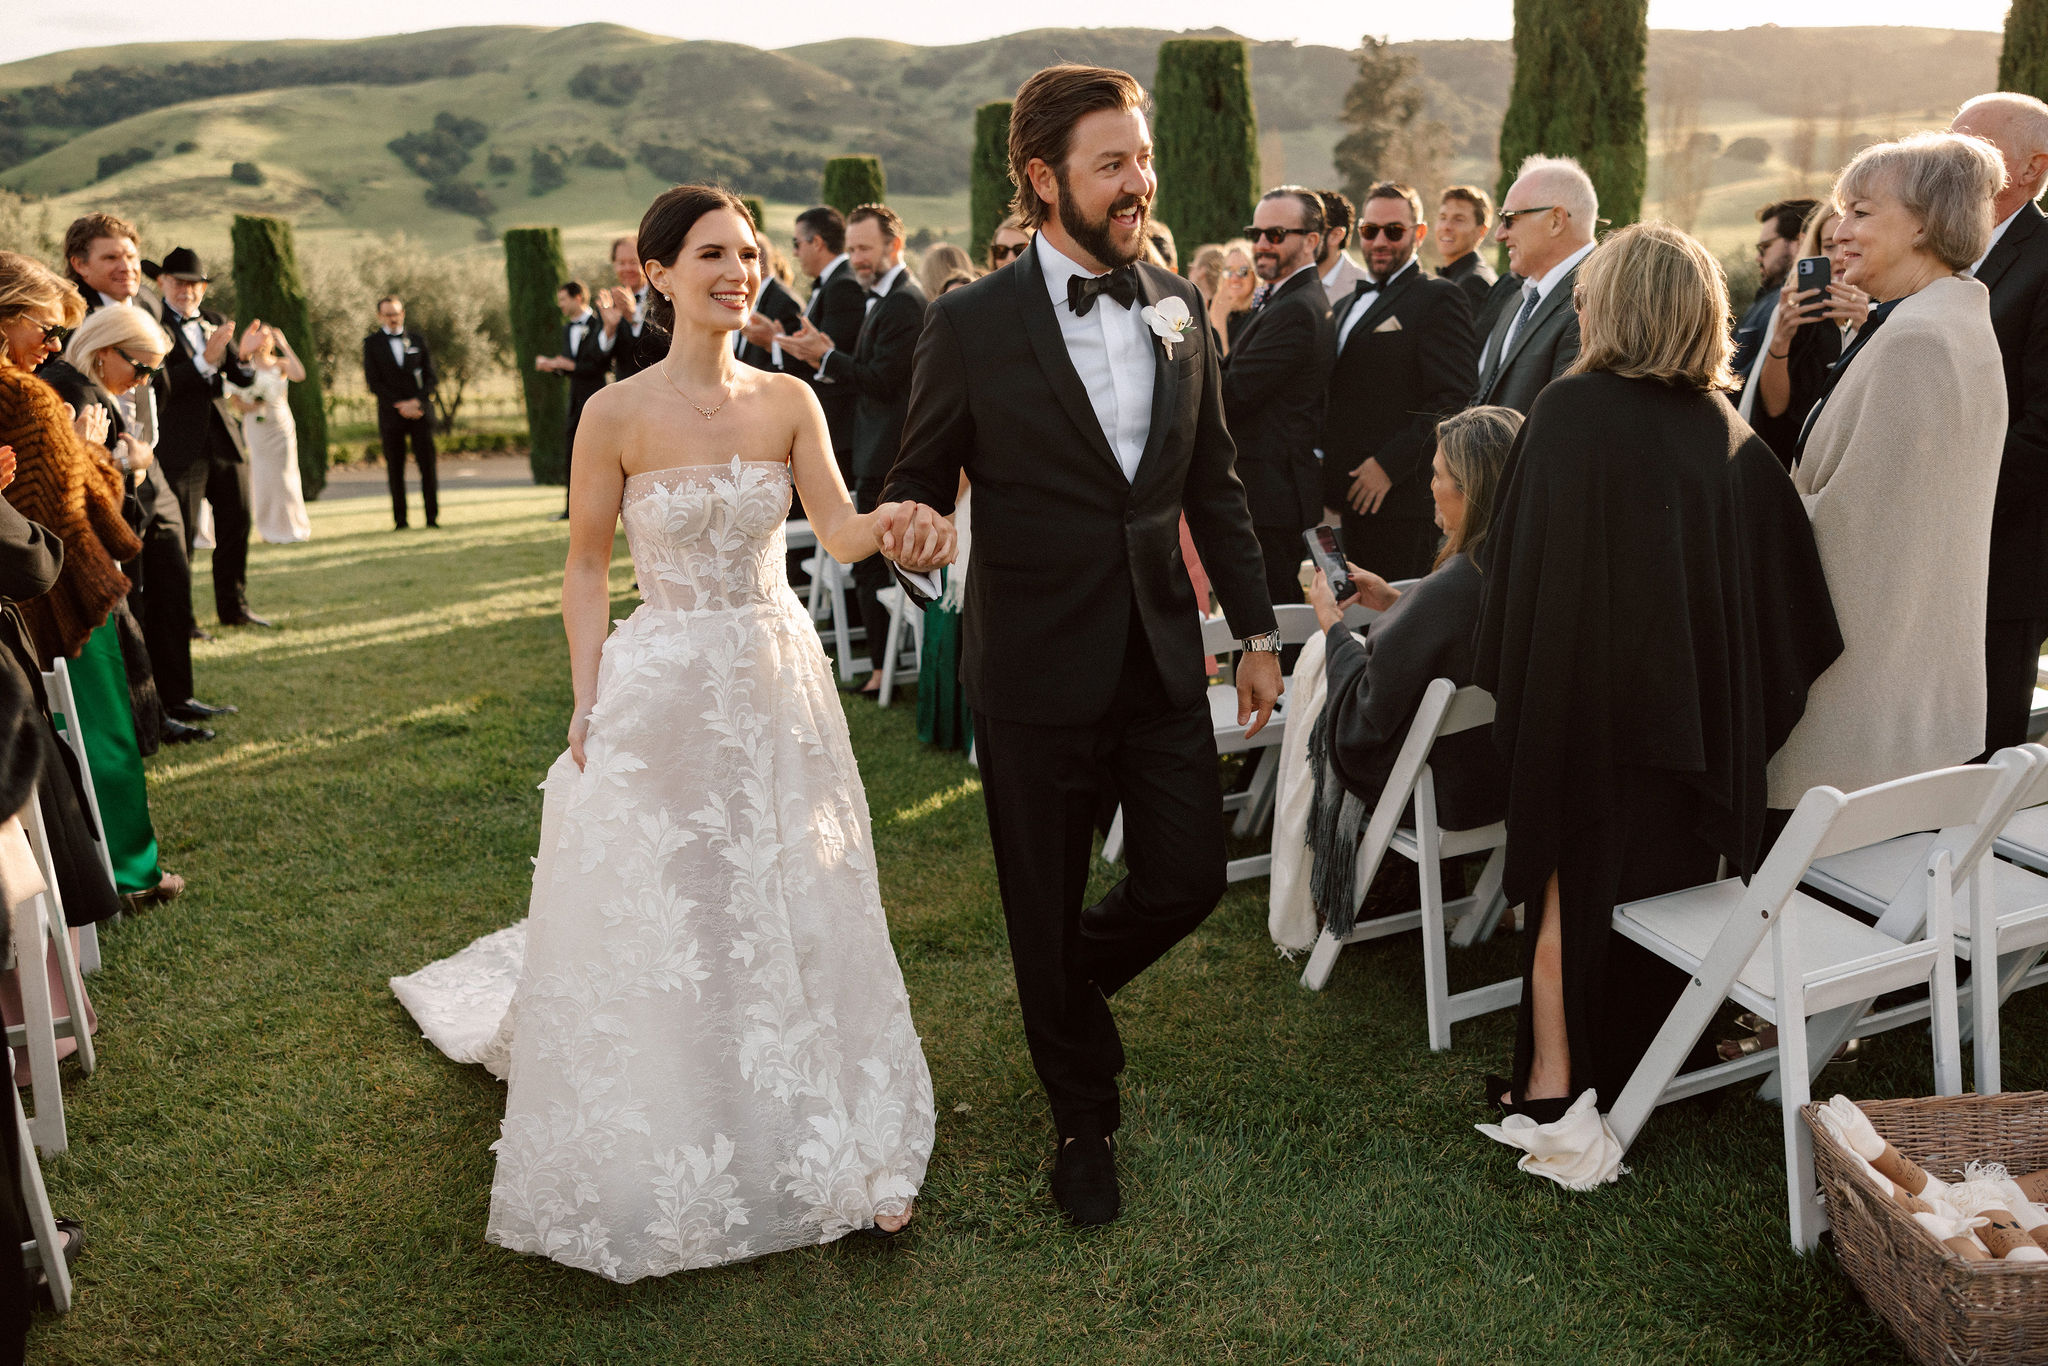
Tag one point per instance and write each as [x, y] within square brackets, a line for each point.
[708, 1045]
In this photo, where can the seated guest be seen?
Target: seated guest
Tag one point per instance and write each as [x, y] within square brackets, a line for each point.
[1463, 214]
[1008, 243]
[1423, 634]
[60, 484]
[1654, 613]
[1898, 467]
[1805, 337]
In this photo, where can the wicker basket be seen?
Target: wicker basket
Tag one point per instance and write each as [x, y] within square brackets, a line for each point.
[1946, 1311]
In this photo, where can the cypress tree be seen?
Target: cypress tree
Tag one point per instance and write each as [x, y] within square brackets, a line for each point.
[989, 190]
[757, 211]
[1578, 92]
[2023, 60]
[853, 181]
[1206, 138]
[267, 286]
[534, 270]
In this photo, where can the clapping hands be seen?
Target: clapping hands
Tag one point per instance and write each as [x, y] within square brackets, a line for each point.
[914, 536]
[807, 343]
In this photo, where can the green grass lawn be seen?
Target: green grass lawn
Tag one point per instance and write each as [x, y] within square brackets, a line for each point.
[274, 1167]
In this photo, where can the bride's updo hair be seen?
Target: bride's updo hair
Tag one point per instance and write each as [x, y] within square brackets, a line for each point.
[667, 222]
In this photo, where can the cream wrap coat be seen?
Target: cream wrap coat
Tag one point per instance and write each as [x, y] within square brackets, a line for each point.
[1898, 476]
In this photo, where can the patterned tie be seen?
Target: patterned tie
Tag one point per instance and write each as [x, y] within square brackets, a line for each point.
[1531, 296]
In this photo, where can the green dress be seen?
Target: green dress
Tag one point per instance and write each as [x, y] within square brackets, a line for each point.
[99, 680]
[942, 715]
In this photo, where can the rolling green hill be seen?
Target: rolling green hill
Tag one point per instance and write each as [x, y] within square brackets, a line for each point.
[615, 114]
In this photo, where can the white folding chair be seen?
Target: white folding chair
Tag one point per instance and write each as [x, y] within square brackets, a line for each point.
[2011, 916]
[46, 1248]
[829, 582]
[1820, 964]
[904, 614]
[64, 705]
[38, 932]
[1445, 710]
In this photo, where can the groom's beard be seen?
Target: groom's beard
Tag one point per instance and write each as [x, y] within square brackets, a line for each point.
[1093, 235]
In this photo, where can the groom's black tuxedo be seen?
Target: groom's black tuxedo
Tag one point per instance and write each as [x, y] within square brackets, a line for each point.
[1081, 652]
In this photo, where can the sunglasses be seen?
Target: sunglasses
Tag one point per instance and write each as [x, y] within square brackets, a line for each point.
[1278, 235]
[55, 334]
[142, 372]
[1237, 272]
[1508, 216]
[1000, 252]
[1394, 231]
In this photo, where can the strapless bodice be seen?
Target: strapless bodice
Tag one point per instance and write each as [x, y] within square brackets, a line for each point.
[709, 537]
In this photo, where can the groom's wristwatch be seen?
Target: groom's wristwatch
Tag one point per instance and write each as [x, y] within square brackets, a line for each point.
[1266, 642]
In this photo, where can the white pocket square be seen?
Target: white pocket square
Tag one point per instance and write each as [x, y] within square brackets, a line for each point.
[1390, 325]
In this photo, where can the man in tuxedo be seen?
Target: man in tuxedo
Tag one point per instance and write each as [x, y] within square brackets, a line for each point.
[585, 358]
[877, 373]
[1276, 380]
[635, 345]
[399, 370]
[1777, 247]
[1086, 430]
[1546, 221]
[2015, 269]
[1405, 354]
[103, 257]
[1341, 275]
[837, 307]
[200, 448]
[1463, 214]
[776, 312]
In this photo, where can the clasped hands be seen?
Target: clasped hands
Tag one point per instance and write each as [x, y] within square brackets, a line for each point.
[914, 537]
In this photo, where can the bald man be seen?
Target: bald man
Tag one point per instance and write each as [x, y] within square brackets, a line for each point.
[1546, 223]
[2015, 269]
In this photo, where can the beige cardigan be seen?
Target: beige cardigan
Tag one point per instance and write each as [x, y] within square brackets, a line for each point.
[1898, 475]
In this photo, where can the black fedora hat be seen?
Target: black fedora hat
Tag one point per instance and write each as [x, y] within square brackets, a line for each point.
[182, 264]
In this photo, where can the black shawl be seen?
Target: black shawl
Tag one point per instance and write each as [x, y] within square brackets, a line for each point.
[1653, 599]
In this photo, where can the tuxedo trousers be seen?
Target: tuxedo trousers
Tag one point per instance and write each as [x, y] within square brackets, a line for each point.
[2012, 659]
[225, 485]
[1039, 783]
[395, 432]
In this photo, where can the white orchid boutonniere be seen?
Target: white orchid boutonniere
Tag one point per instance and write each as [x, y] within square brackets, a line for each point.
[1170, 320]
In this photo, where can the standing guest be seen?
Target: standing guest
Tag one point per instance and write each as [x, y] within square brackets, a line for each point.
[955, 281]
[943, 261]
[1160, 248]
[201, 452]
[1086, 435]
[837, 307]
[1802, 342]
[1230, 308]
[1899, 466]
[1205, 271]
[634, 347]
[1654, 613]
[59, 483]
[1341, 275]
[1546, 221]
[1405, 355]
[584, 358]
[878, 372]
[775, 312]
[1777, 247]
[1008, 242]
[1276, 380]
[2015, 269]
[104, 258]
[277, 499]
[399, 369]
[1463, 214]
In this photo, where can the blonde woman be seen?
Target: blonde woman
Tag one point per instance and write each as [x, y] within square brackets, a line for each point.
[1231, 305]
[277, 500]
[940, 263]
[1654, 614]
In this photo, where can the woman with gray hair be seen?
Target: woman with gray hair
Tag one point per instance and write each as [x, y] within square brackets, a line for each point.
[1898, 465]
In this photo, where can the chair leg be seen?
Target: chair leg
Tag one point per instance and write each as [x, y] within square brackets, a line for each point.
[69, 975]
[1264, 775]
[1489, 903]
[842, 640]
[1943, 1022]
[1322, 961]
[1802, 1201]
[42, 1221]
[1436, 980]
[1113, 842]
[31, 929]
[889, 650]
[88, 949]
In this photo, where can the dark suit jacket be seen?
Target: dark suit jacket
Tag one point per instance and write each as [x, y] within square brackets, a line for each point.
[877, 370]
[190, 425]
[1065, 547]
[1471, 274]
[1749, 330]
[1407, 364]
[593, 363]
[1544, 349]
[2016, 272]
[1275, 383]
[392, 383]
[777, 304]
[1501, 294]
[630, 353]
[837, 308]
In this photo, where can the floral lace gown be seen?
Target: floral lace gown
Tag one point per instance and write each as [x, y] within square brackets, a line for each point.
[709, 1047]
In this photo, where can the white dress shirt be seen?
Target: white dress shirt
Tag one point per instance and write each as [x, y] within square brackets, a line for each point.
[195, 339]
[1363, 302]
[1992, 245]
[1111, 350]
[578, 326]
[397, 340]
[883, 286]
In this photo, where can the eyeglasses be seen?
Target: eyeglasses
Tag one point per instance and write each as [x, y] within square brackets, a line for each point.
[1278, 235]
[55, 333]
[1236, 272]
[1394, 231]
[1002, 251]
[142, 372]
[1508, 216]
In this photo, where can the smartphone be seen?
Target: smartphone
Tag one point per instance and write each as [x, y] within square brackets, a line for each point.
[1814, 273]
[1322, 549]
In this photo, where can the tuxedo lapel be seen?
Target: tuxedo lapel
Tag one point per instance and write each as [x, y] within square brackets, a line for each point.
[1558, 298]
[1042, 330]
[2024, 226]
[1165, 374]
[1377, 311]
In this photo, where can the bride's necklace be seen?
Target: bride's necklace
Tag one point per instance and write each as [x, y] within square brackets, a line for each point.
[706, 413]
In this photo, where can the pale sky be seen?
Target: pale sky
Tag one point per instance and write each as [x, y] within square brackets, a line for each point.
[33, 29]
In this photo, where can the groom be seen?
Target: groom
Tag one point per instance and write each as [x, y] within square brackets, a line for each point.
[1087, 422]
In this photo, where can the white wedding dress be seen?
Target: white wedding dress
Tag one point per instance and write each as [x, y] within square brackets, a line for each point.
[708, 1045]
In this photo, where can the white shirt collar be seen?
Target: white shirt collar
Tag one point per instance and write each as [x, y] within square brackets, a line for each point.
[399, 335]
[1058, 268]
[888, 281]
[111, 302]
[1992, 245]
[1560, 270]
[581, 318]
[1406, 266]
[841, 259]
[1336, 271]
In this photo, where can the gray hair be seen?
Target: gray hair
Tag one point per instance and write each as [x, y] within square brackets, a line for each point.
[122, 327]
[1565, 184]
[2024, 119]
[1946, 180]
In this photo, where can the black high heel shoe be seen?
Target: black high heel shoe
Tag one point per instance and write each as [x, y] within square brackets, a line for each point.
[1547, 1111]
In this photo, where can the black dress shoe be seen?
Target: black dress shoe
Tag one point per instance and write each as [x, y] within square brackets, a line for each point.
[1084, 1181]
[178, 733]
[198, 634]
[192, 709]
[247, 619]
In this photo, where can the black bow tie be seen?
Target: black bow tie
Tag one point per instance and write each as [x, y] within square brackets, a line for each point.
[1120, 284]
